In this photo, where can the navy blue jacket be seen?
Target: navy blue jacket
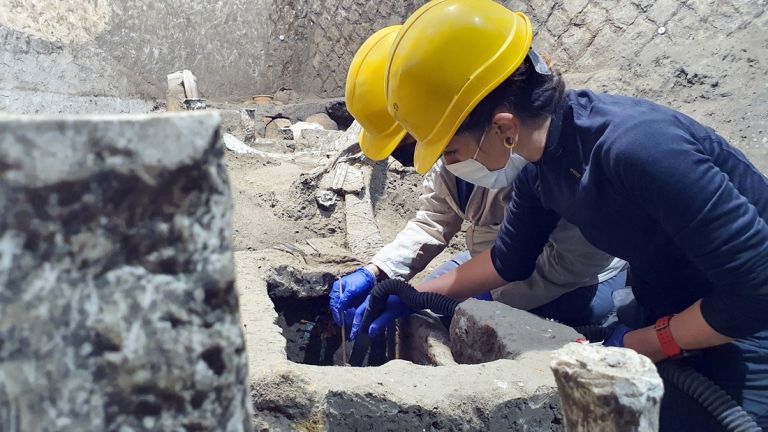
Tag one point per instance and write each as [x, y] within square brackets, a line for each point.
[654, 187]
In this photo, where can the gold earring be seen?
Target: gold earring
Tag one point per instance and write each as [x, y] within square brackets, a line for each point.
[508, 143]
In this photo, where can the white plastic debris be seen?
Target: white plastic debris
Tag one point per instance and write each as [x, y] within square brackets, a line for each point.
[237, 146]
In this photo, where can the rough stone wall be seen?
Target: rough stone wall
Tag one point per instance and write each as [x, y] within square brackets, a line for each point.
[125, 49]
[709, 59]
[705, 58]
[78, 53]
[117, 302]
[319, 38]
[702, 57]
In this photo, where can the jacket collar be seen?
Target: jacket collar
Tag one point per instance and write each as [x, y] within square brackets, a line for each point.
[555, 141]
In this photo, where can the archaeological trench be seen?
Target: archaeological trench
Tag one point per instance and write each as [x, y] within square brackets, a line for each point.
[167, 245]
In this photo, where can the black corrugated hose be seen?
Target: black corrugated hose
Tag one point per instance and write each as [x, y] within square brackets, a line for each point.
[415, 300]
[731, 415]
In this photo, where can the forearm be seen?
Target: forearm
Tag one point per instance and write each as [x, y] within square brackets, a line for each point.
[689, 330]
[420, 241]
[476, 276]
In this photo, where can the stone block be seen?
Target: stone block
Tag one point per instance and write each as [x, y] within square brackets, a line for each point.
[573, 7]
[426, 340]
[484, 331]
[607, 389]
[278, 128]
[320, 139]
[323, 120]
[175, 94]
[662, 11]
[118, 309]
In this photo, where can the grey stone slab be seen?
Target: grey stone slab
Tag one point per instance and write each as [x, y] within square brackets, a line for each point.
[117, 301]
[483, 331]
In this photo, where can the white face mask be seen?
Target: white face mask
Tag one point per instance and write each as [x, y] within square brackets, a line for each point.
[476, 173]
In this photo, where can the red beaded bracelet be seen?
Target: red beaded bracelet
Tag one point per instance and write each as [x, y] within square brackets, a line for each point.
[666, 340]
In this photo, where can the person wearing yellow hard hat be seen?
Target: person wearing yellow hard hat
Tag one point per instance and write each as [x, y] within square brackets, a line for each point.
[645, 183]
[574, 281]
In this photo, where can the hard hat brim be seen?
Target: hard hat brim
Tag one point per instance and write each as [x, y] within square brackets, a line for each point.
[379, 147]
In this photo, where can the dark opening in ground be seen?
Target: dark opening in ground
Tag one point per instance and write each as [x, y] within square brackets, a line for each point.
[311, 335]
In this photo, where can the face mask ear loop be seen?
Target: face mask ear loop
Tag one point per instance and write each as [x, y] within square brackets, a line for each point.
[480, 144]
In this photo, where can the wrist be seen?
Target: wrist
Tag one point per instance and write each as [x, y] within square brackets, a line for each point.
[665, 338]
[645, 342]
[376, 272]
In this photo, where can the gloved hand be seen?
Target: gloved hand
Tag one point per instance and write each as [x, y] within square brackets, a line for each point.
[616, 339]
[357, 285]
[395, 309]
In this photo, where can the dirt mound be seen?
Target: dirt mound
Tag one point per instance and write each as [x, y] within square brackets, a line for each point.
[271, 206]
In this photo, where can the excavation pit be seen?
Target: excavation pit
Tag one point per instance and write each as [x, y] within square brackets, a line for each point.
[278, 290]
[311, 336]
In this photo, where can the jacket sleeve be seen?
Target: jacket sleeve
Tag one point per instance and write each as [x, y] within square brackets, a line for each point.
[525, 230]
[700, 208]
[424, 236]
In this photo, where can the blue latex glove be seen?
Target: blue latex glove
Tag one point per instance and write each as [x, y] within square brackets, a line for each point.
[484, 296]
[616, 339]
[357, 285]
[395, 309]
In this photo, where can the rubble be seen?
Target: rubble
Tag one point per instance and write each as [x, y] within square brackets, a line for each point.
[118, 306]
[326, 199]
[194, 104]
[235, 145]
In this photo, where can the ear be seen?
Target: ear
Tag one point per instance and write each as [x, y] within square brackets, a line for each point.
[506, 124]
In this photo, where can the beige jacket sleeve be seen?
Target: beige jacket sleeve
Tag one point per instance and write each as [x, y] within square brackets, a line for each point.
[424, 236]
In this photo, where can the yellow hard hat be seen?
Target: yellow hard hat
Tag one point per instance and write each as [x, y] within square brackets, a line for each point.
[366, 99]
[447, 57]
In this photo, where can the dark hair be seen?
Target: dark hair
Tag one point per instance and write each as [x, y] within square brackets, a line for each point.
[527, 93]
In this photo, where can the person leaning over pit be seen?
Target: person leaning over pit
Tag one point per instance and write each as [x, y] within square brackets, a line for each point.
[642, 182]
[573, 281]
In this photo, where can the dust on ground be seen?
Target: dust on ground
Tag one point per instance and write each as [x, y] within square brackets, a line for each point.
[271, 206]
